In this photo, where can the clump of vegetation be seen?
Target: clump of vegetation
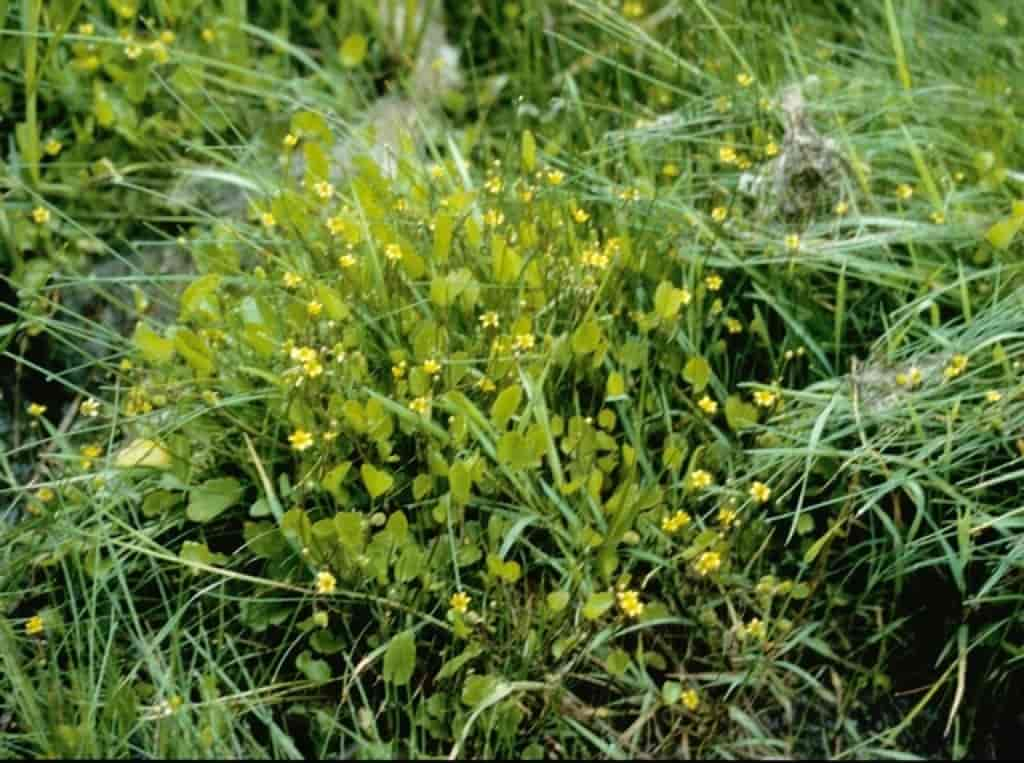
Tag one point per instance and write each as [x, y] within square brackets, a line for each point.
[532, 436]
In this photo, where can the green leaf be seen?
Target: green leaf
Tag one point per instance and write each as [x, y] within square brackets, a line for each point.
[334, 305]
[353, 50]
[529, 151]
[557, 601]
[201, 554]
[598, 604]
[697, 372]
[351, 531]
[617, 662]
[211, 499]
[739, 414]
[514, 450]
[616, 386]
[153, 347]
[199, 300]
[671, 691]
[452, 666]
[505, 404]
[377, 481]
[586, 338]
[158, 502]
[400, 658]
[315, 670]
[194, 350]
[444, 228]
[1001, 234]
[668, 300]
[461, 482]
[477, 689]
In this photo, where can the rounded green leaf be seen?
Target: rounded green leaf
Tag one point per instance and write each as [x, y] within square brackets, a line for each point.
[377, 481]
[353, 50]
[400, 658]
[209, 500]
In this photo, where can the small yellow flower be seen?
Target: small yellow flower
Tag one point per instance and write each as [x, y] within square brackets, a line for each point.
[555, 177]
[708, 563]
[86, 29]
[676, 522]
[346, 261]
[484, 384]
[709, 406]
[35, 409]
[459, 602]
[670, 170]
[765, 398]
[733, 326]
[41, 215]
[167, 37]
[494, 217]
[267, 218]
[633, 9]
[89, 454]
[132, 52]
[35, 626]
[690, 699]
[393, 252]
[792, 242]
[938, 218]
[904, 191]
[911, 378]
[489, 320]
[52, 147]
[325, 582]
[421, 405]
[718, 214]
[291, 280]
[630, 604]
[771, 149]
[324, 189]
[314, 308]
[700, 479]
[754, 629]
[957, 365]
[993, 396]
[436, 171]
[523, 342]
[45, 494]
[398, 370]
[300, 440]
[290, 141]
[713, 281]
[841, 208]
[580, 215]
[727, 517]
[431, 367]
[744, 79]
[208, 35]
[760, 492]
[727, 155]
[494, 185]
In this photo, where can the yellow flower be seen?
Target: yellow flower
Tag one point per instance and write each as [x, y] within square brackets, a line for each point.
[909, 379]
[670, 170]
[676, 522]
[733, 326]
[494, 217]
[291, 280]
[45, 494]
[993, 396]
[267, 218]
[555, 177]
[35, 626]
[707, 563]
[938, 218]
[690, 699]
[701, 478]
[494, 184]
[398, 370]
[633, 9]
[325, 582]
[486, 385]
[86, 29]
[718, 214]
[459, 602]
[904, 191]
[755, 629]
[53, 147]
[35, 409]
[431, 367]
[41, 215]
[771, 149]
[956, 366]
[421, 405]
[489, 320]
[290, 141]
[132, 52]
[792, 242]
[167, 37]
[324, 189]
[765, 398]
[209, 35]
[709, 406]
[314, 309]
[713, 282]
[346, 260]
[842, 208]
[727, 155]
[760, 492]
[89, 454]
[727, 517]
[744, 79]
[393, 252]
[580, 215]
[300, 440]
[523, 342]
[629, 602]
[436, 171]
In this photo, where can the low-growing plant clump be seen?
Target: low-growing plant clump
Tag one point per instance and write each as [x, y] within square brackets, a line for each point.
[656, 394]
